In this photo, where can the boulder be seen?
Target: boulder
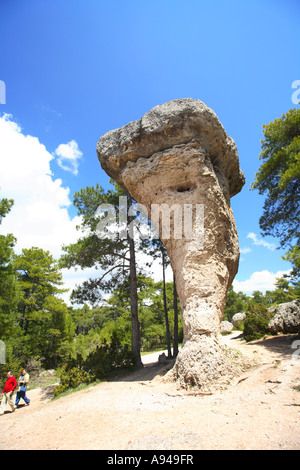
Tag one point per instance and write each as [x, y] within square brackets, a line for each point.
[286, 318]
[226, 327]
[179, 160]
[237, 318]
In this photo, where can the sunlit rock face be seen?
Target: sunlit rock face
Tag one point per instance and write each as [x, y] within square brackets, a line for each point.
[178, 162]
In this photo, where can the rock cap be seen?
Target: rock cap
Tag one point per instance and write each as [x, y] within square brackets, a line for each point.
[164, 126]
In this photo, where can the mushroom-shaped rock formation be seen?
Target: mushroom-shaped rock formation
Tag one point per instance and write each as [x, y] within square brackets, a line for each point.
[178, 156]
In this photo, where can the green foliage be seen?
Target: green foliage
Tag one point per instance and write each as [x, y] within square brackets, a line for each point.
[34, 323]
[255, 325]
[240, 302]
[104, 341]
[9, 291]
[9, 298]
[46, 325]
[293, 256]
[5, 207]
[256, 321]
[284, 292]
[279, 179]
[114, 318]
[70, 379]
[107, 357]
[235, 302]
[114, 255]
[151, 312]
[111, 256]
[94, 365]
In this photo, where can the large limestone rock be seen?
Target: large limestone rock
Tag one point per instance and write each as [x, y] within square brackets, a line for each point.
[179, 153]
[226, 327]
[238, 318]
[286, 318]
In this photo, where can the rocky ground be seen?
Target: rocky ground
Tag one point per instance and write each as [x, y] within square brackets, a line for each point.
[260, 409]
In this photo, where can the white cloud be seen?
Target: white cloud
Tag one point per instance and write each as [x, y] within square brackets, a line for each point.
[155, 269]
[246, 250]
[68, 156]
[39, 216]
[260, 241]
[259, 280]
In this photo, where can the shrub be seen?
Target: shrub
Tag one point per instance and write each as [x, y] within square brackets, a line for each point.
[97, 365]
[256, 322]
[240, 325]
[71, 378]
[98, 362]
[120, 355]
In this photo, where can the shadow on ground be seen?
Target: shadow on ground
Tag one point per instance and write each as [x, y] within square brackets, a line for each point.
[46, 392]
[283, 345]
[146, 373]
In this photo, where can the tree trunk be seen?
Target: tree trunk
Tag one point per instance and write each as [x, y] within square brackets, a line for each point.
[136, 330]
[165, 306]
[175, 306]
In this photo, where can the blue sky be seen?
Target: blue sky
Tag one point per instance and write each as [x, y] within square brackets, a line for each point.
[74, 70]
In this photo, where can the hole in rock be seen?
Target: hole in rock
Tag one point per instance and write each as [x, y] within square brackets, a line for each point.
[184, 189]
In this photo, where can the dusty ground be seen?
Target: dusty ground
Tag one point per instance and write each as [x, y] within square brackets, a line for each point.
[259, 410]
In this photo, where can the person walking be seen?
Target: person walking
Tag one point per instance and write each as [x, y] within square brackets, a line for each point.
[22, 386]
[7, 393]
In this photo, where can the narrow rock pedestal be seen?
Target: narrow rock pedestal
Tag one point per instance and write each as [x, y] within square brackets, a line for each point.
[179, 163]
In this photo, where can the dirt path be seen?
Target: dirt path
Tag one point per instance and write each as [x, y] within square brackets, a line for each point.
[259, 410]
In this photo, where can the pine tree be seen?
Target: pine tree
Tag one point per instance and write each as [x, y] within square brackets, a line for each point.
[279, 179]
[9, 292]
[114, 256]
[47, 327]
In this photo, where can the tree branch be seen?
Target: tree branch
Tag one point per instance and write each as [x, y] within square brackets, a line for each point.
[111, 269]
[118, 255]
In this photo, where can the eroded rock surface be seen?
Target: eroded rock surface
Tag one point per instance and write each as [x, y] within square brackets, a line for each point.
[178, 154]
[286, 318]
